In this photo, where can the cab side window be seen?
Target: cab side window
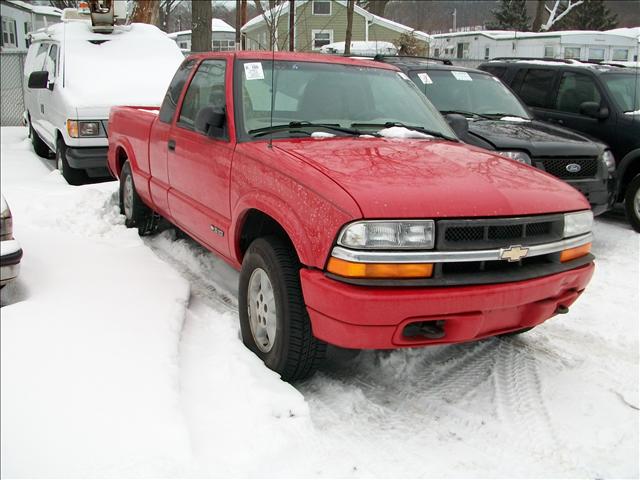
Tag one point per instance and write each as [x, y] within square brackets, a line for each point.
[170, 102]
[207, 89]
[537, 85]
[51, 62]
[574, 90]
[38, 62]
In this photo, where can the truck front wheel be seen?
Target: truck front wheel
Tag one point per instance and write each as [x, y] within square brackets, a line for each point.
[136, 213]
[274, 321]
[632, 203]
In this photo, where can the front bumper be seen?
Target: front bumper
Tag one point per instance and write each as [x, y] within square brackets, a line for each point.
[87, 157]
[363, 317]
[600, 192]
[9, 261]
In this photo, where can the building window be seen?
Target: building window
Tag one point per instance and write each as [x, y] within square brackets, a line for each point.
[322, 7]
[9, 32]
[548, 51]
[436, 52]
[486, 53]
[27, 29]
[184, 45]
[321, 38]
[223, 45]
[620, 54]
[596, 54]
[462, 50]
[572, 52]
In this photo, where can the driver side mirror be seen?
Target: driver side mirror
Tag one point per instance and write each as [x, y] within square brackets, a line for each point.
[459, 124]
[38, 79]
[593, 110]
[210, 121]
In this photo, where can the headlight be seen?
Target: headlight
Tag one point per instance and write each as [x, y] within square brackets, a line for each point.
[80, 128]
[609, 160]
[415, 234]
[577, 223]
[6, 222]
[517, 156]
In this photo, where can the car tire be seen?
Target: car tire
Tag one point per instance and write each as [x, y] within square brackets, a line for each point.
[41, 148]
[632, 203]
[73, 176]
[136, 213]
[274, 320]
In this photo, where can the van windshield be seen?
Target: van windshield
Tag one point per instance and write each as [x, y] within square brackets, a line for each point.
[342, 96]
[625, 89]
[469, 92]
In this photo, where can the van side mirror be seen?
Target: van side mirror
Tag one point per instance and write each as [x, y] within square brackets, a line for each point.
[593, 110]
[210, 121]
[38, 79]
[459, 124]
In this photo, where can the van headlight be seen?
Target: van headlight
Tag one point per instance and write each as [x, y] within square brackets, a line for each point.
[516, 155]
[389, 235]
[609, 160]
[82, 128]
[577, 223]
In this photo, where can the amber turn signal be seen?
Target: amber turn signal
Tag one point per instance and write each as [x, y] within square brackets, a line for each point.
[347, 269]
[573, 253]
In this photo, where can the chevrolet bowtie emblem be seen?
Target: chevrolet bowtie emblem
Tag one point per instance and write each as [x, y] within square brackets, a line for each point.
[513, 253]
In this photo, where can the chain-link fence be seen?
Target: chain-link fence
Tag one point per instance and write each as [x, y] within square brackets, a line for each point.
[11, 87]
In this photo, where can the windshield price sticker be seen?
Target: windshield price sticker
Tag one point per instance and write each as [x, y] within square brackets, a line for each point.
[253, 71]
[425, 78]
[403, 76]
[461, 76]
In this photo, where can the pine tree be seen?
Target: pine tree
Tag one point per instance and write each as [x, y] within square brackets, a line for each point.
[511, 15]
[591, 15]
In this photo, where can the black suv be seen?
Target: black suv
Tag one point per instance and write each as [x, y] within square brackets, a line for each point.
[485, 113]
[599, 100]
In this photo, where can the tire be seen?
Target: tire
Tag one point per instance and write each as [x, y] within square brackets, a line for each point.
[41, 148]
[73, 176]
[632, 203]
[281, 334]
[136, 213]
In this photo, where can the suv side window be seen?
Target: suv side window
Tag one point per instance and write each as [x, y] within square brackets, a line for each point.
[206, 89]
[495, 70]
[575, 89]
[170, 102]
[537, 86]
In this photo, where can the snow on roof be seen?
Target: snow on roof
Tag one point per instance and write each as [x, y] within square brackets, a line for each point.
[511, 34]
[217, 25]
[282, 9]
[38, 9]
[361, 48]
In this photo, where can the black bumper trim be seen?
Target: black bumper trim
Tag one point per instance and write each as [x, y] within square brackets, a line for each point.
[87, 157]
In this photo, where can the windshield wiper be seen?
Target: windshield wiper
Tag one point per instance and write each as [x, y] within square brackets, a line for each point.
[415, 128]
[302, 124]
[463, 112]
[492, 115]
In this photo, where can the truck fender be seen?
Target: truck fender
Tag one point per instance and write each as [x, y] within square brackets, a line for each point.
[630, 163]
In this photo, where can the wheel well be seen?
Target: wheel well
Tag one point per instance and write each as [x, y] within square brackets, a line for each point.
[258, 224]
[121, 157]
[629, 174]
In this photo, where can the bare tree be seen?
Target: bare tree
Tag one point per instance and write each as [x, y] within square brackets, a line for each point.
[555, 16]
[376, 7]
[201, 26]
[538, 19]
[270, 17]
[347, 39]
[62, 4]
[146, 11]
[165, 10]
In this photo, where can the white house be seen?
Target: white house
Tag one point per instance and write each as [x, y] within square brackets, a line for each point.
[223, 37]
[620, 44]
[18, 18]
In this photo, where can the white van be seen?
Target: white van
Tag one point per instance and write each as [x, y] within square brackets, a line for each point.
[75, 75]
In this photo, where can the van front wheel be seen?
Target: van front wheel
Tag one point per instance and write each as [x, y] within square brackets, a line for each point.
[73, 176]
[632, 203]
[39, 146]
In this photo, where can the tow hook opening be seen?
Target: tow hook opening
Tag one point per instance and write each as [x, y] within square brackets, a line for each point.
[562, 310]
[432, 329]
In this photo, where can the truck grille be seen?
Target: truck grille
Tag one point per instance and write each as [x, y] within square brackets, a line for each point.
[479, 234]
[569, 168]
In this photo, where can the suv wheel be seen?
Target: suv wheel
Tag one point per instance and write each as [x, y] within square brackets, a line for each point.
[136, 213]
[632, 203]
[41, 148]
[274, 321]
[73, 176]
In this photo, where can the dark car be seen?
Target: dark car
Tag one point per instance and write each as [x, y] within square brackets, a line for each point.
[599, 100]
[487, 114]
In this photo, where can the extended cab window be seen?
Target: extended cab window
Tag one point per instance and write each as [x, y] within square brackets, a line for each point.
[574, 90]
[206, 90]
[170, 102]
[536, 87]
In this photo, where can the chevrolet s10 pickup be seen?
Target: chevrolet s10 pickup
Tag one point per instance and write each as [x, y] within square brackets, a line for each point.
[354, 214]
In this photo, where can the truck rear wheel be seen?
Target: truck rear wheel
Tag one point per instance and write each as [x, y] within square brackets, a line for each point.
[136, 213]
[274, 321]
[632, 203]
[41, 148]
[73, 176]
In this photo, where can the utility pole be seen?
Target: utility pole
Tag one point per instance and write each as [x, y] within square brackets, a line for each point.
[238, 23]
[292, 25]
[347, 39]
[455, 17]
[243, 20]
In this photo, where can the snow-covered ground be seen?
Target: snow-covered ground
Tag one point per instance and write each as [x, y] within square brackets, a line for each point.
[121, 357]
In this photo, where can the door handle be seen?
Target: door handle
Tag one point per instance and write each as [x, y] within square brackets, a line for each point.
[560, 121]
[172, 144]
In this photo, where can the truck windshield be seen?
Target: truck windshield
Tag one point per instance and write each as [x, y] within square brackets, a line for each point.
[343, 96]
[625, 89]
[468, 93]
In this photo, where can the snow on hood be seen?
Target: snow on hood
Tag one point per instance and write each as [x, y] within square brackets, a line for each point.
[636, 112]
[131, 66]
[401, 132]
[514, 119]
[322, 135]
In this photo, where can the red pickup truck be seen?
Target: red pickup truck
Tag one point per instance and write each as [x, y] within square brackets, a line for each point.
[354, 214]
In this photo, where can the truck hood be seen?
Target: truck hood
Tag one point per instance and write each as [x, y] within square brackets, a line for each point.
[412, 178]
[539, 139]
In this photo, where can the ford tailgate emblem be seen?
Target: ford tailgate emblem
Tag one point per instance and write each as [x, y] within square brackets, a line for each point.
[573, 168]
